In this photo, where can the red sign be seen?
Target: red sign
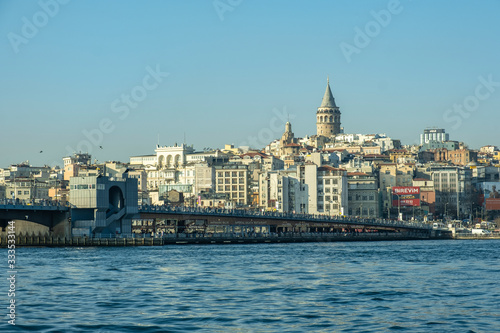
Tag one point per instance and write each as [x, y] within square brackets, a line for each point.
[406, 196]
[492, 204]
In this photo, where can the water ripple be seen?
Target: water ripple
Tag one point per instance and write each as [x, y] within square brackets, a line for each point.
[438, 286]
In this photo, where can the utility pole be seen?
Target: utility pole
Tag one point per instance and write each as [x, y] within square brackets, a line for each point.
[458, 192]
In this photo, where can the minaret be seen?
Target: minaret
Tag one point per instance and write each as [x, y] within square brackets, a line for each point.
[328, 115]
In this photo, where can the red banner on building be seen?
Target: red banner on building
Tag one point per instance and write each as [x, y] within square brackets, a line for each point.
[406, 196]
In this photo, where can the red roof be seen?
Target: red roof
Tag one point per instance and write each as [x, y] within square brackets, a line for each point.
[357, 174]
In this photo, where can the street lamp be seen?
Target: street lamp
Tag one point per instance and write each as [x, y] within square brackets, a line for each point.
[399, 205]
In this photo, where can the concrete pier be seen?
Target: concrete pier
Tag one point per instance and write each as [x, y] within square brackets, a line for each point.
[59, 241]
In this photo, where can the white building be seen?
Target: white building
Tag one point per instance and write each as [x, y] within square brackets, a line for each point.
[281, 191]
[434, 135]
[326, 188]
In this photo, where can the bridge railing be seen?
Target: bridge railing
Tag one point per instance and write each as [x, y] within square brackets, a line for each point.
[281, 216]
[30, 205]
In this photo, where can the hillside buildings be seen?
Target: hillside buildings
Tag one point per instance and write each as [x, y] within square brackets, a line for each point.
[328, 173]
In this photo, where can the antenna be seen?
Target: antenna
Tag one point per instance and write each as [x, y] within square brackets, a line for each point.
[184, 137]
[158, 139]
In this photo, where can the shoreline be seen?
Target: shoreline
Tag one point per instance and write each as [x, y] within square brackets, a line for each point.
[54, 241]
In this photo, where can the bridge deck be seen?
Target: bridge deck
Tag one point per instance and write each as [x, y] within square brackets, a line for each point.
[33, 207]
[195, 212]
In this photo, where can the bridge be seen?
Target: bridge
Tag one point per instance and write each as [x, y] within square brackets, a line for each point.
[201, 221]
[55, 217]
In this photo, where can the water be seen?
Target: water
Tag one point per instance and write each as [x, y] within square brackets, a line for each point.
[412, 286]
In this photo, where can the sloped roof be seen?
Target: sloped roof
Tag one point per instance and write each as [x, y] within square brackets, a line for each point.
[328, 100]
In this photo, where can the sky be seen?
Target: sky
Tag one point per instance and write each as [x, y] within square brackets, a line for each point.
[116, 77]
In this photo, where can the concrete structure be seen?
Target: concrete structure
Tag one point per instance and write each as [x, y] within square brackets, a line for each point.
[27, 189]
[427, 195]
[457, 157]
[234, 180]
[102, 206]
[390, 175]
[363, 195]
[489, 149]
[77, 158]
[281, 191]
[328, 115]
[453, 185]
[434, 134]
[431, 145]
[287, 140]
[323, 158]
[215, 200]
[326, 188]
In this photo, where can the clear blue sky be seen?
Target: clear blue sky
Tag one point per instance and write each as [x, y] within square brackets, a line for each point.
[230, 67]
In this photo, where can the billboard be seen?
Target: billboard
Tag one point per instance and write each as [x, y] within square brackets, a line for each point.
[489, 194]
[406, 196]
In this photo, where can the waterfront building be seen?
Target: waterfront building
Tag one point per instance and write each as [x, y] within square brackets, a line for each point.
[485, 173]
[363, 195]
[233, 179]
[453, 185]
[215, 200]
[176, 168]
[391, 175]
[27, 189]
[102, 206]
[282, 191]
[326, 189]
[427, 195]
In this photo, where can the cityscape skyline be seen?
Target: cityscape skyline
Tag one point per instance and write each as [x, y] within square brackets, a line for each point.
[229, 73]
